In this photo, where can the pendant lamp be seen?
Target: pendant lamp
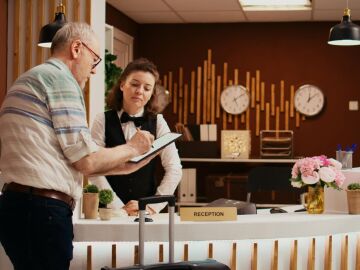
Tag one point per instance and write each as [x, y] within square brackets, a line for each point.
[48, 31]
[345, 33]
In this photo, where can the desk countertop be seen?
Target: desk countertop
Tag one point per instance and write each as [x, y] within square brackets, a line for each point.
[245, 227]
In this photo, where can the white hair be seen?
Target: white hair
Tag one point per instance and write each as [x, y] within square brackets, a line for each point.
[70, 32]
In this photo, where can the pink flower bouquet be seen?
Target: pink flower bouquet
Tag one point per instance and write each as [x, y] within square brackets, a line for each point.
[318, 170]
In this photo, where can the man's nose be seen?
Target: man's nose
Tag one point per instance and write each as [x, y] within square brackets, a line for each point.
[93, 71]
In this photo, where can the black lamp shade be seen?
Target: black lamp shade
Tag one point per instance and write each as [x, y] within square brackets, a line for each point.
[345, 33]
[48, 31]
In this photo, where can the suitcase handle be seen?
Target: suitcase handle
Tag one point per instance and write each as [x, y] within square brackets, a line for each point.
[142, 205]
[156, 199]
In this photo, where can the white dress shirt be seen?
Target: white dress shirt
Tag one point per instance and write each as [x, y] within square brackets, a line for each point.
[169, 158]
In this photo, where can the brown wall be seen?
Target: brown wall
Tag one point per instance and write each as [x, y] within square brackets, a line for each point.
[124, 23]
[297, 53]
[3, 48]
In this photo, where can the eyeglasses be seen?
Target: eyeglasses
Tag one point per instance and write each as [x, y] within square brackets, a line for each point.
[98, 58]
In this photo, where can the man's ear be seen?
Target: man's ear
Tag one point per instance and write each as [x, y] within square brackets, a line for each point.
[75, 49]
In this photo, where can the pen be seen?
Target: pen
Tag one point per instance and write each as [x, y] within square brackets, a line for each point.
[138, 129]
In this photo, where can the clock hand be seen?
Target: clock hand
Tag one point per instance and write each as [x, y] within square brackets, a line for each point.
[313, 96]
[309, 98]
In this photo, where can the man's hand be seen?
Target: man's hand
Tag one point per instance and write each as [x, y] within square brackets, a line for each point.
[132, 208]
[141, 142]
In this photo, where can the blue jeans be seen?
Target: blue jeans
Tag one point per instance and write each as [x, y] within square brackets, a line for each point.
[36, 232]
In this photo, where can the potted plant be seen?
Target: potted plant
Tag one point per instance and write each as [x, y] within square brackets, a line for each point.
[105, 197]
[353, 198]
[90, 201]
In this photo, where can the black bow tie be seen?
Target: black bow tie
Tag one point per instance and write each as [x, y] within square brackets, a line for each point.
[138, 121]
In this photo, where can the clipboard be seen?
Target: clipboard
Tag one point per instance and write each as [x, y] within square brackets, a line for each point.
[157, 145]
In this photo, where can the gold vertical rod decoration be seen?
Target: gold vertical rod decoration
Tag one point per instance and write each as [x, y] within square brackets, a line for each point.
[292, 108]
[247, 122]
[252, 92]
[247, 85]
[233, 257]
[175, 99]
[161, 253]
[88, 12]
[225, 81]
[267, 116]
[262, 96]
[170, 84]
[272, 99]
[282, 96]
[213, 99]
[303, 118]
[198, 96]
[204, 92]
[328, 254]
[89, 258]
[236, 82]
[275, 256]
[208, 97]
[209, 61]
[293, 255]
[357, 262]
[297, 119]
[192, 92]
[165, 82]
[211, 251]
[28, 34]
[113, 255]
[16, 39]
[181, 82]
[76, 10]
[311, 255]
[136, 255]
[218, 90]
[286, 115]
[277, 118]
[186, 252]
[344, 253]
[257, 129]
[230, 115]
[186, 103]
[180, 111]
[254, 257]
[257, 85]
[40, 23]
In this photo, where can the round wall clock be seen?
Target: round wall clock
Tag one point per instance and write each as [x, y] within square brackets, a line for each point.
[235, 99]
[309, 100]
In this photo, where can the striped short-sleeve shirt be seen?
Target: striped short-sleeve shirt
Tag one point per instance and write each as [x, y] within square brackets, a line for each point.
[43, 130]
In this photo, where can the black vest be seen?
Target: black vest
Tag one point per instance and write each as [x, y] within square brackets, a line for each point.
[137, 184]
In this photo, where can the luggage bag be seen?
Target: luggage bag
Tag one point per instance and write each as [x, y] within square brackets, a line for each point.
[208, 264]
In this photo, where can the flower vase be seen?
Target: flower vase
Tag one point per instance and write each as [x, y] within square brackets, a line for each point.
[315, 200]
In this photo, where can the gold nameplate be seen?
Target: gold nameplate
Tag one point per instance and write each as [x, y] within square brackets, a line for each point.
[208, 213]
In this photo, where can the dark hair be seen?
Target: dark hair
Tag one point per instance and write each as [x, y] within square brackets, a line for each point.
[114, 99]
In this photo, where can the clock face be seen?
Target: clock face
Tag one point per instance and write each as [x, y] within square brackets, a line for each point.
[235, 99]
[309, 100]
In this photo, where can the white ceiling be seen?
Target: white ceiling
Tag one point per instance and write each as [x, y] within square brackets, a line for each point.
[222, 11]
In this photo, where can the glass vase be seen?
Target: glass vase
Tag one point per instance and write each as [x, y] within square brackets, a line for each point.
[315, 200]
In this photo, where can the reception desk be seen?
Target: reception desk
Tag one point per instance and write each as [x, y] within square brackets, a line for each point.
[251, 239]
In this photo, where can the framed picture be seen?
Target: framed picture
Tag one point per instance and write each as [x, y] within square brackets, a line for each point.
[235, 144]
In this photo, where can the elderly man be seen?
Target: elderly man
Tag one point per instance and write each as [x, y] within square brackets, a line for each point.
[46, 148]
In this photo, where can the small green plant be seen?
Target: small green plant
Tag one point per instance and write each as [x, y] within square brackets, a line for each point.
[353, 186]
[91, 189]
[106, 196]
